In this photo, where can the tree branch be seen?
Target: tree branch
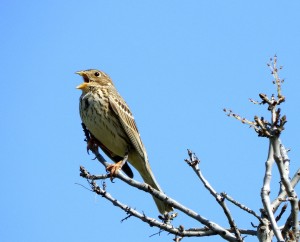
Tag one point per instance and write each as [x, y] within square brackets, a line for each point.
[165, 226]
[287, 185]
[265, 192]
[194, 163]
[147, 188]
[281, 196]
[241, 206]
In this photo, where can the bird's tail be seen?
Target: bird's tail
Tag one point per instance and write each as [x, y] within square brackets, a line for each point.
[149, 178]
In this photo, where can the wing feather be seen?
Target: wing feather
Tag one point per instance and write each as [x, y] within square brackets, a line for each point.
[127, 121]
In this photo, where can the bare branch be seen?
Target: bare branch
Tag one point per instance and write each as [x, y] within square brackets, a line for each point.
[287, 226]
[265, 192]
[194, 163]
[165, 226]
[283, 209]
[208, 232]
[84, 173]
[243, 207]
[146, 188]
[286, 183]
[255, 102]
[274, 71]
[264, 232]
[252, 124]
[151, 221]
[281, 197]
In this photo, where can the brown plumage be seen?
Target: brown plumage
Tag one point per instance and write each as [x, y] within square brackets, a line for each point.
[109, 119]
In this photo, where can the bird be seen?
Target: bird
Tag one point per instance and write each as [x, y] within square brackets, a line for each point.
[111, 124]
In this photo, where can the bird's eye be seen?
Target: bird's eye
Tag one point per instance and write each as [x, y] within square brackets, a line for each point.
[97, 73]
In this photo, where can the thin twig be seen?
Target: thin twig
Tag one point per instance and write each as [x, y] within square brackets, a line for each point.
[194, 163]
[248, 210]
[283, 209]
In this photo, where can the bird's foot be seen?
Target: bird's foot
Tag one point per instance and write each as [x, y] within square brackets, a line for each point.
[92, 144]
[114, 169]
[89, 138]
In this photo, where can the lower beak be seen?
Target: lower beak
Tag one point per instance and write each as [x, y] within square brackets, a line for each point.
[82, 86]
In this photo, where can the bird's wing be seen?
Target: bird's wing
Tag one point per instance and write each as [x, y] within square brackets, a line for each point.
[126, 118]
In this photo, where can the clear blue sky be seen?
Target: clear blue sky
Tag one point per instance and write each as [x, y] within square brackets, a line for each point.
[177, 64]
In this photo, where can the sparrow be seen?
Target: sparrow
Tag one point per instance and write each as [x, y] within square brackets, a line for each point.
[111, 124]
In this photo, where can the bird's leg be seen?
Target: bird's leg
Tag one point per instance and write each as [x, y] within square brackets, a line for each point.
[114, 169]
[92, 143]
[90, 139]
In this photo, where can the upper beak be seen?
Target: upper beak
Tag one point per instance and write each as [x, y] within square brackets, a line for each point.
[83, 85]
[79, 73]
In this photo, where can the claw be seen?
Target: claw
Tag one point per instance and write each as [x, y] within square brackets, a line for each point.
[92, 144]
[114, 169]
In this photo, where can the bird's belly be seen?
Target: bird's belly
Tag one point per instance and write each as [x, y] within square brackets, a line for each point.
[105, 127]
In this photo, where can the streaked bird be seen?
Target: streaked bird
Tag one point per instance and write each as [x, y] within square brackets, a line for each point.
[111, 123]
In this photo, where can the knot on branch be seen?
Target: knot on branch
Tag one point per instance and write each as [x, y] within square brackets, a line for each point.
[167, 217]
[193, 159]
[84, 173]
[96, 188]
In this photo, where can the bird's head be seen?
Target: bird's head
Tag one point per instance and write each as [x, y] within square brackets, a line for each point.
[93, 78]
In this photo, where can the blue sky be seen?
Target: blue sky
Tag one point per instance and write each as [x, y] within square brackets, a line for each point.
[177, 64]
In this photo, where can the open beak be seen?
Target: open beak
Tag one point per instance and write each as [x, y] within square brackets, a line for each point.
[83, 85]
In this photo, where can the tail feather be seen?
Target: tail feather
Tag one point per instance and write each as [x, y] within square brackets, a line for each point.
[149, 178]
[142, 165]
